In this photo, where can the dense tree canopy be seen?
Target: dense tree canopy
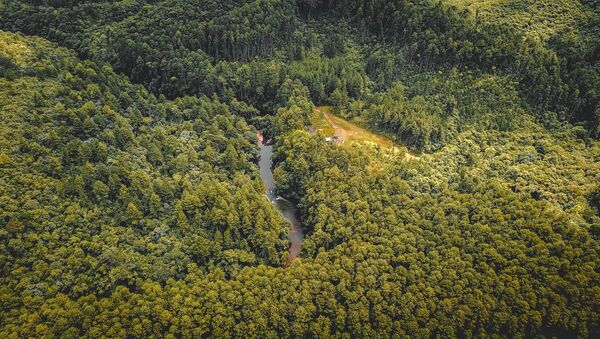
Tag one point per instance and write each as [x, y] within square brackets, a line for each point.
[197, 47]
[145, 187]
[131, 203]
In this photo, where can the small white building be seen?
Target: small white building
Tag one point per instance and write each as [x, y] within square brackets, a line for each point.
[327, 139]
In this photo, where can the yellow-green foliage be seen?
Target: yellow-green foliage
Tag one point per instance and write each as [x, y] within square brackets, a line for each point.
[124, 214]
[552, 166]
[15, 48]
[540, 18]
[86, 154]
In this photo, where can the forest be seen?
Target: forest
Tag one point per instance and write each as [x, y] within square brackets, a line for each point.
[132, 201]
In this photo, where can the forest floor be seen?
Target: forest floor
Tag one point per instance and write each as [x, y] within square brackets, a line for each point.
[328, 124]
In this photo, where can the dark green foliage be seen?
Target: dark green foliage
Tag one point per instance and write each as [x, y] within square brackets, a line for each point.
[438, 106]
[595, 200]
[559, 76]
[181, 47]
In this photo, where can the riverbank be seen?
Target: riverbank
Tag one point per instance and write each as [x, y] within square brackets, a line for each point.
[287, 209]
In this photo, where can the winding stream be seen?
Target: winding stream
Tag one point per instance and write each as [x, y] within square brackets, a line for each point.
[287, 208]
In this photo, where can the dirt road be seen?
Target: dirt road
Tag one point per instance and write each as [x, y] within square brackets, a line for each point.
[342, 133]
[348, 131]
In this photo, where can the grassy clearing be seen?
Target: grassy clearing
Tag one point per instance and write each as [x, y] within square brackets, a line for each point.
[319, 123]
[353, 132]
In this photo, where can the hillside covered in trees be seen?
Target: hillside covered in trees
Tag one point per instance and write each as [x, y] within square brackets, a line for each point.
[131, 202]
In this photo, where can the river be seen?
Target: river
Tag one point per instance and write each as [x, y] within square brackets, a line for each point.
[287, 208]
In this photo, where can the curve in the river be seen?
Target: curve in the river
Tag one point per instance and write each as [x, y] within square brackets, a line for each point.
[286, 207]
